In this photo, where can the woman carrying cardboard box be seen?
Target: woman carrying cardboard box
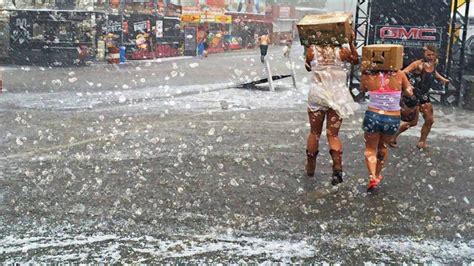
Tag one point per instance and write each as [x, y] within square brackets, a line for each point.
[329, 99]
[385, 83]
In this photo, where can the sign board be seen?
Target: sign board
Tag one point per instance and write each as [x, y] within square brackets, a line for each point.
[190, 40]
[285, 12]
[159, 29]
[225, 19]
[408, 23]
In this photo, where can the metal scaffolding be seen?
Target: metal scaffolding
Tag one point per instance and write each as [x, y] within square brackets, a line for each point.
[456, 60]
[361, 28]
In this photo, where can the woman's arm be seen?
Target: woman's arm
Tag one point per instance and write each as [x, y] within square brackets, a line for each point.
[406, 86]
[351, 55]
[363, 83]
[412, 67]
[444, 80]
[309, 58]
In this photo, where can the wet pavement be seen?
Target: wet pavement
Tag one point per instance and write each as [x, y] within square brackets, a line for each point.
[202, 172]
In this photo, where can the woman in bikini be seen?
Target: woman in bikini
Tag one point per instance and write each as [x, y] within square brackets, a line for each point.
[425, 71]
[382, 118]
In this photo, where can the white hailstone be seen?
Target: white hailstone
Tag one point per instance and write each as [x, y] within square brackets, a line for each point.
[300, 191]
[433, 173]
[125, 86]
[219, 139]
[181, 74]
[138, 68]
[139, 211]
[72, 80]
[79, 94]
[167, 78]
[234, 183]
[19, 141]
[242, 116]
[238, 72]
[466, 200]
[142, 80]
[430, 187]
[451, 179]
[355, 91]
[99, 85]
[122, 99]
[175, 66]
[188, 106]
[180, 190]
[174, 74]
[211, 132]
[193, 65]
[220, 166]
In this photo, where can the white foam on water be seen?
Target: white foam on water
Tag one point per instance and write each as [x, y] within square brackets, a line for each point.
[108, 248]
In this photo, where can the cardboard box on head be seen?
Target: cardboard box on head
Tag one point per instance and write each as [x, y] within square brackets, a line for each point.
[382, 57]
[325, 29]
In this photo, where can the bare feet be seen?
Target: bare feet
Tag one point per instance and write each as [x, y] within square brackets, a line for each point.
[421, 145]
[393, 144]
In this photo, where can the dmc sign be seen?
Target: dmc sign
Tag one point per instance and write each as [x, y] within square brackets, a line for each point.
[412, 33]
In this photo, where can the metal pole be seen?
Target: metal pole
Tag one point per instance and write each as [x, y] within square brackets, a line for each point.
[459, 91]
[452, 32]
[121, 7]
[270, 77]
[293, 75]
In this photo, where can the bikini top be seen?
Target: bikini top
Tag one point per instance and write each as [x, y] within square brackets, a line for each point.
[385, 98]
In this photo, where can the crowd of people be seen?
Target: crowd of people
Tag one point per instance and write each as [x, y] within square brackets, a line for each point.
[392, 98]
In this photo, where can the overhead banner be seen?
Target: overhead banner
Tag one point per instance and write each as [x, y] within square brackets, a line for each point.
[412, 24]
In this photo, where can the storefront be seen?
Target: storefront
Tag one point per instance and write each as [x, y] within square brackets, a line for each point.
[215, 25]
[210, 22]
[49, 37]
[247, 27]
[284, 24]
[169, 37]
[145, 28]
[139, 37]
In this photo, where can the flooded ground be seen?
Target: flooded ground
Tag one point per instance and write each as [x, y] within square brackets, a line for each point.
[203, 172]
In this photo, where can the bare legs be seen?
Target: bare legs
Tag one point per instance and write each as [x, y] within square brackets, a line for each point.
[376, 154]
[426, 110]
[333, 124]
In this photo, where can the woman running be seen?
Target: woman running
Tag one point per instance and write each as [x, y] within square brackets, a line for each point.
[329, 98]
[382, 118]
[425, 70]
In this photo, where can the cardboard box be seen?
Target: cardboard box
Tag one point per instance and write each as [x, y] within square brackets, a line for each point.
[330, 28]
[382, 57]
